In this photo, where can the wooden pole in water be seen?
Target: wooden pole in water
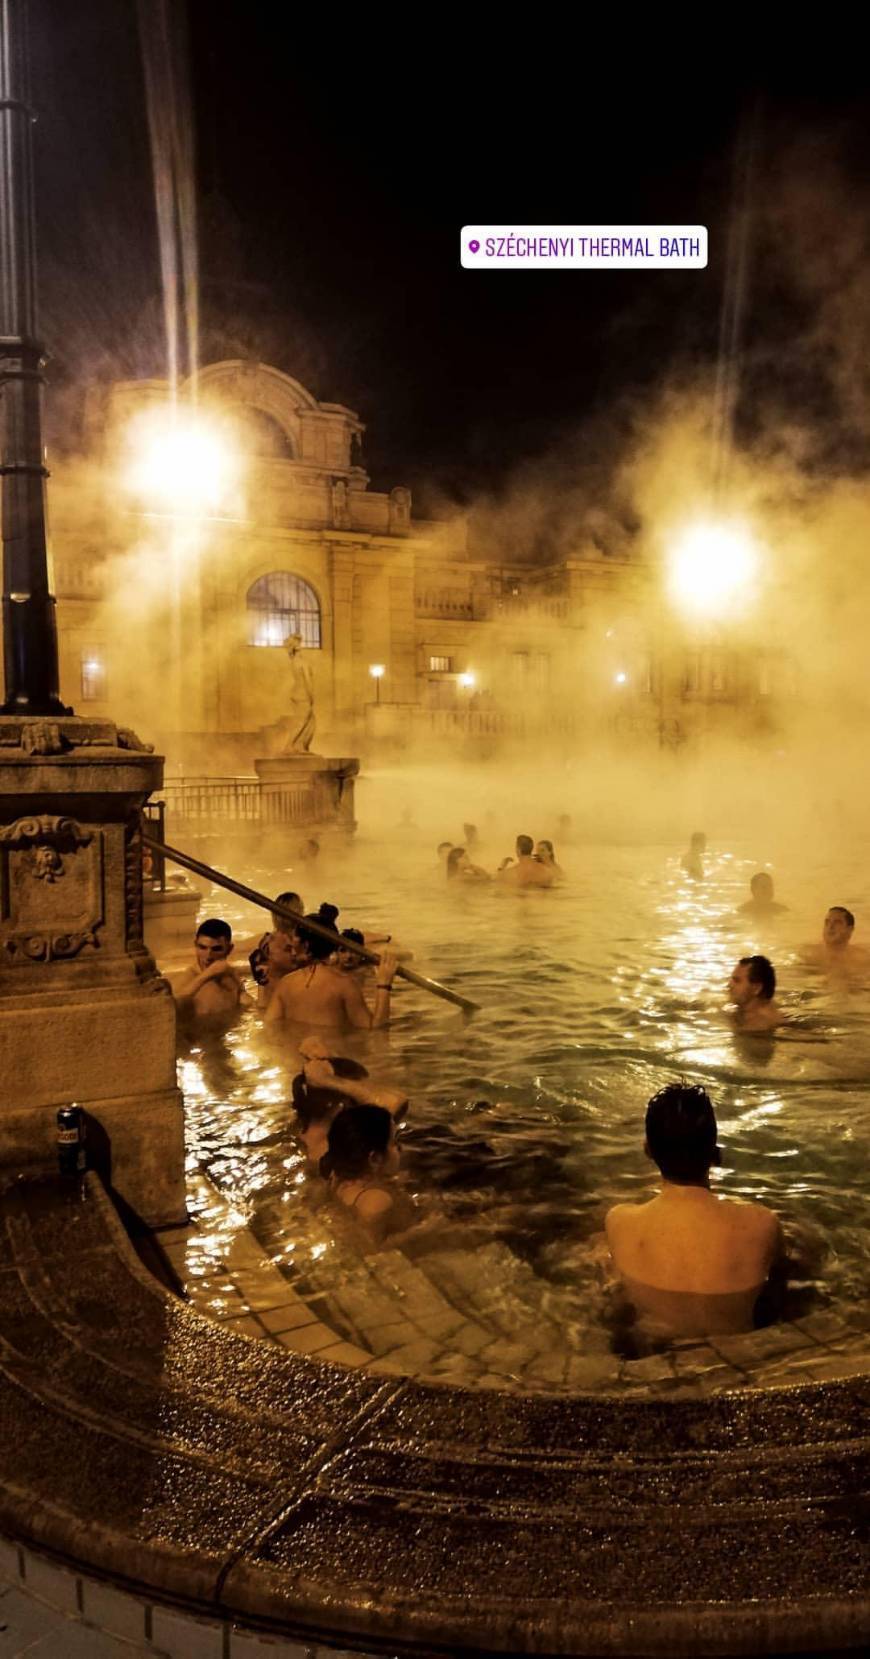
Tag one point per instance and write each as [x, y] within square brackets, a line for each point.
[253, 897]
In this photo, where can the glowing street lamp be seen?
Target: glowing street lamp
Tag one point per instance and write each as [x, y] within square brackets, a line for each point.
[180, 462]
[709, 568]
[468, 680]
[621, 678]
[377, 671]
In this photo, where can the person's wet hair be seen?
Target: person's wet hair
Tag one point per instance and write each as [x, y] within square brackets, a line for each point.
[455, 858]
[290, 901]
[548, 848]
[761, 885]
[681, 1132]
[355, 1136]
[698, 842]
[317, 947]
[443, 846]
[214, 928]
[761, 972]
[840, 910]
[354, 934]
[525, 846]
[315, 1102]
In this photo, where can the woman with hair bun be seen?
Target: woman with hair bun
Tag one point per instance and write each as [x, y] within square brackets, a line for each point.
[318, 993]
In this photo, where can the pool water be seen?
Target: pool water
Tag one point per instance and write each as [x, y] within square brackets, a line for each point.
[526, 1121]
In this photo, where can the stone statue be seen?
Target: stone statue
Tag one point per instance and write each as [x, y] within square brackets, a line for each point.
[301, 717]
[340, 506]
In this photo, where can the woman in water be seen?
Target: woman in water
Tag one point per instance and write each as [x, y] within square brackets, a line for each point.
[321, 995]
[545, 855]
[460, 867]
[360, 1165]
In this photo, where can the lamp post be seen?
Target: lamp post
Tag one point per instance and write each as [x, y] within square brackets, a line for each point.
[377, 672]
[29, 621]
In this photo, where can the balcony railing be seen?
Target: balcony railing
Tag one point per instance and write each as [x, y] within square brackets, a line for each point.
[201, 803]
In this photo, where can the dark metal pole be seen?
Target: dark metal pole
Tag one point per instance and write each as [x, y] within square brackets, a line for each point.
[29, 622]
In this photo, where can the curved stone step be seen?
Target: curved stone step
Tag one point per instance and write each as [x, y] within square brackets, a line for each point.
[139, 1439]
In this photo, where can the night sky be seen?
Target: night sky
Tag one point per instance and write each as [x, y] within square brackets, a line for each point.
[336, 164]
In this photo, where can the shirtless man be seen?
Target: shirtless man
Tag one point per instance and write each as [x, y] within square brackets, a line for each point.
[320, 995]
[689, 1260]
[762, 904]
[751, 987]
[211, 989]
[836, 953]
[527, 871]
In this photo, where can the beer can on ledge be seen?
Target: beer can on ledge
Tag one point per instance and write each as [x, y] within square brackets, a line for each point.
[71, 1139]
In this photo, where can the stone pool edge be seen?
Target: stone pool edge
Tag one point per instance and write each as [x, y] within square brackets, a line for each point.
[430, 1621]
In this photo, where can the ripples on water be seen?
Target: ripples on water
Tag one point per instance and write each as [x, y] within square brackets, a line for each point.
[526, 1122]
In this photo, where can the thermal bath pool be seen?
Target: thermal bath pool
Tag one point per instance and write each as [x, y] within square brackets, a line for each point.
[526, 1122]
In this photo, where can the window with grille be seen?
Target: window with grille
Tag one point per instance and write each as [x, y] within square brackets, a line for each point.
[94, 686]
[281, 605]
[440, 665]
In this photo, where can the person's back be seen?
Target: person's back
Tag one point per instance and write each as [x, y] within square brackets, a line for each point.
[321, 995]
[693, 1262]
[527, 871]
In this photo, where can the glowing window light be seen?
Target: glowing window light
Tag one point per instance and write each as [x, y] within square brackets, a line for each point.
[180, 462]
[709, 566]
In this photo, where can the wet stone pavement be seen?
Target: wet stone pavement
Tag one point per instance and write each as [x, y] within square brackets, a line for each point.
[235, 1471]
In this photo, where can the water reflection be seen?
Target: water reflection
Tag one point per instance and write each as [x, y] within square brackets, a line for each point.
[526, 1124]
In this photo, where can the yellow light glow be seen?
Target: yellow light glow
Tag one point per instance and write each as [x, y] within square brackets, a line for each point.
[620, 678]
[709, 567]
[468, 679]
[180, 462]
[377, 670]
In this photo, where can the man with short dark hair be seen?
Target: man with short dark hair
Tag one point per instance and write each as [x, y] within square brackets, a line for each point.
[751, 987]
[526, 872]
[211, 989]
[689, 1260]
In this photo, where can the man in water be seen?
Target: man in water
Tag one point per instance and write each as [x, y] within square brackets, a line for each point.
[527, 871]
[762, 904]
[211, 989]
[752, 986]
[689, 1260]
[836, 953]
[693, 860]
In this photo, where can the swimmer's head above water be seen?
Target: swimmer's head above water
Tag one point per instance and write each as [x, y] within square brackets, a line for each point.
[839, 926]
[213, 942]
[681, 1134]
[761, 887]
[753, 979]
[362, 1145]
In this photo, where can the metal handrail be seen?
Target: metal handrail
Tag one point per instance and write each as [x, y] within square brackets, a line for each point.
[253, 897]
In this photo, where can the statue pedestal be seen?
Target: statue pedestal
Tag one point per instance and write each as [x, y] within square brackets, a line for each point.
[84, 1014]
[308, 791]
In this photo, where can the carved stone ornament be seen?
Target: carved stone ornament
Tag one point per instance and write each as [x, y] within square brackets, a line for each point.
[127, 739]
[47, 863]
[51, 889]
[45, 828]
[42, 737]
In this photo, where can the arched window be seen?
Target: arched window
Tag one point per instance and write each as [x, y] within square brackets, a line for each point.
[280, 605]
